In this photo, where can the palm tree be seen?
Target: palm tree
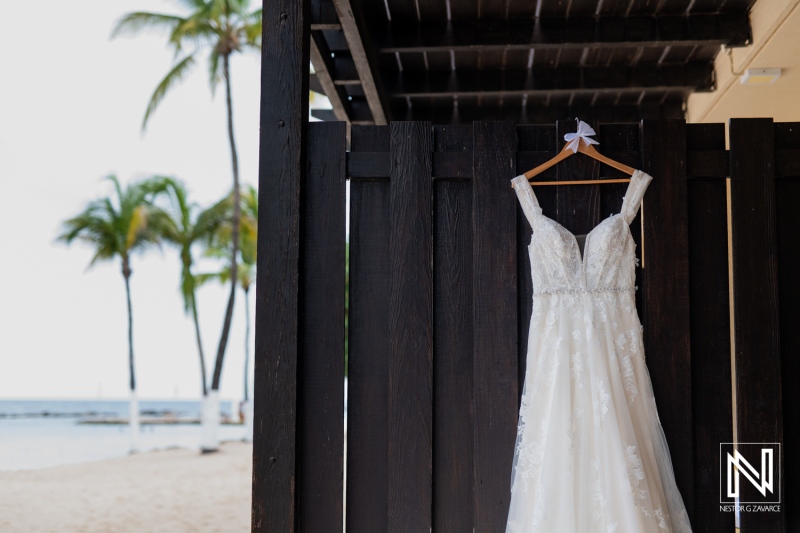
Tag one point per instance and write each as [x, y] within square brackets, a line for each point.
[220, 245]
[223, 27]
[117, 227]
[184, 227]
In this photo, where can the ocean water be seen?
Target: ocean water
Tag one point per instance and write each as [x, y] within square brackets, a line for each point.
[44, 433]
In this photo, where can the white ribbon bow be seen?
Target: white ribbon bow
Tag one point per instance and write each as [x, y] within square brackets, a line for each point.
[584, 130]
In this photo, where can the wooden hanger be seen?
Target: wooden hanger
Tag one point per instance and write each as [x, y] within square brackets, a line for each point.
[584, 147]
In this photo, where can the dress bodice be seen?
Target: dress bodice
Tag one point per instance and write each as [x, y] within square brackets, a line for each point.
[609, 260]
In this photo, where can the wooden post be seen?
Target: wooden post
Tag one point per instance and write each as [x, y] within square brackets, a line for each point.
[494, 227]
[284, 115]
[755, 301]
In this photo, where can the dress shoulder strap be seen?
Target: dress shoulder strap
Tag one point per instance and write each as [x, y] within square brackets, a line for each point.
[633, 197]
[528, 201]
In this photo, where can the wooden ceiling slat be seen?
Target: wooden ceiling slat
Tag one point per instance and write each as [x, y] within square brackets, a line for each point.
[553, 8]
[490, 58]
[466, 59]
[492, 9]
[614, 8]
[705, 53]
[575, 33]
[464, 9]
[678, 54]
[655, 7]
[413, 61]
[516, 59]
[673, 7]
[582, 8]
[547, 57]
[433, 9]
[649, 55]
[439, 60]
[520, 9]
[402, 9]
[569, 57]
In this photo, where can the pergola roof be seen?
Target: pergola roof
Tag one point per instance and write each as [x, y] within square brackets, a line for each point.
[534, 61]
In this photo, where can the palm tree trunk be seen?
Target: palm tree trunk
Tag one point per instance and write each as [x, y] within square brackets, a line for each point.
[223, 341]
[199, 343]
[246, 344]
[247, 408]
[134, 404]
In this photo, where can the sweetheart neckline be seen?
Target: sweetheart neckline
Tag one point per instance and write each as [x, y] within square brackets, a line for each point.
[582, 256]
[575, 239]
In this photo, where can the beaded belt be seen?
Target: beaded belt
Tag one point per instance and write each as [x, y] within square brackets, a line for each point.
[586, 291]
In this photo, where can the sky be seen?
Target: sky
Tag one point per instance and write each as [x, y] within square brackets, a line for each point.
[71, 106]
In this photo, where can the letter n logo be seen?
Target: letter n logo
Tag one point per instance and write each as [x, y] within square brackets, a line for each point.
[737, 465]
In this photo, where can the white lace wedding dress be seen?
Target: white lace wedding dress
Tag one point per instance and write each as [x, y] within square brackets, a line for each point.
[590, 455]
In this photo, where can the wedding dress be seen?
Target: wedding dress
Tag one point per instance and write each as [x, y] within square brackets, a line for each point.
[590, 452]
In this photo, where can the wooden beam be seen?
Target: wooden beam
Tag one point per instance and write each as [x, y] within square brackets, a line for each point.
[441, 111]
[314, 84]
[282, 161]
[323, 67]
[458, 165]
[595, 32]
[612, 79]
[354, 41]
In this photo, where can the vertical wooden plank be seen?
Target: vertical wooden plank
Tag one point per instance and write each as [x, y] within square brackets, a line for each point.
[494, 320]
[320, 390]
[755, 300]
[368, 342]
[787, 192]
[665, 296]
[410, 326]
[283, 119]
[541, 138]
[578, 206]
[712, 411]
[452, 361]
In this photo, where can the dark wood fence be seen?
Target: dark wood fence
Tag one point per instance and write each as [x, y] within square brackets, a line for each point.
[440, 301]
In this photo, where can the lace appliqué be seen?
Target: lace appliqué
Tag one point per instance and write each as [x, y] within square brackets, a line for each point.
[597, 500]
[574, 435]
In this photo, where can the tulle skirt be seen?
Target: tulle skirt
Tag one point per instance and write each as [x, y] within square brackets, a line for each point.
[590, 454]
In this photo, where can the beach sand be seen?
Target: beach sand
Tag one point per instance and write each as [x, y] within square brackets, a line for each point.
[165, 491]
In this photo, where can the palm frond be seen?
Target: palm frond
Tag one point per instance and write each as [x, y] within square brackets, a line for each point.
[196, 30]
[175, 75]
[252, 28]
[193, 5]
[133, 23]
[214, 77]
